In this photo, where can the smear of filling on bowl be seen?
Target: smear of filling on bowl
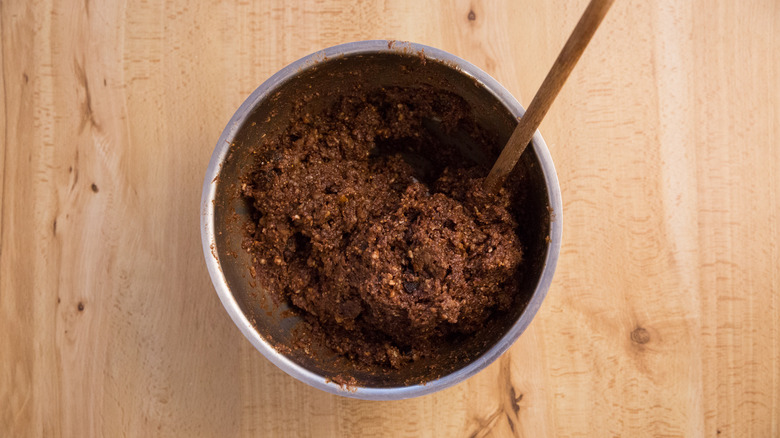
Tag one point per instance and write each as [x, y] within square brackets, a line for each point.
[376, 231]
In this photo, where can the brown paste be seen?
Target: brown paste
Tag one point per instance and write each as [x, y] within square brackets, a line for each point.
[376, 232]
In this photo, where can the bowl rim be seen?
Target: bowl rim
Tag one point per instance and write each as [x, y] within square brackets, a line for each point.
[208, 230]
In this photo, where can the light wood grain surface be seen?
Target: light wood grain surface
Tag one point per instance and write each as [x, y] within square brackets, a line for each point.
[664, 315]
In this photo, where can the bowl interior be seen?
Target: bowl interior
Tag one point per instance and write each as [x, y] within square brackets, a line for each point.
[318, 84]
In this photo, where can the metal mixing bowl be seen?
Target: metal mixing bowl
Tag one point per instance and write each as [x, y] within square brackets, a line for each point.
[267, 112]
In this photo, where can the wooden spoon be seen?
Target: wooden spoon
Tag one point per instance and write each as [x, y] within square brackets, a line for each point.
[556, 77]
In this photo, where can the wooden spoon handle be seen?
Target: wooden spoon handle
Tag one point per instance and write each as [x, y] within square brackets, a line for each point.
[556, 77]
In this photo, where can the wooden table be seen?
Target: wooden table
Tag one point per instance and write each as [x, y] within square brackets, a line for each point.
[664, 315]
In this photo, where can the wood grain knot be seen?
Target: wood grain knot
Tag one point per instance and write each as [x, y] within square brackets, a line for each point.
[80, 306]
[95, 188]
[472, 16]
[640, 336]
[515, 400]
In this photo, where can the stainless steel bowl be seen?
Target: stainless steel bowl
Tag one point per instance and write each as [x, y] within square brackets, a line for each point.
[267, 111]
